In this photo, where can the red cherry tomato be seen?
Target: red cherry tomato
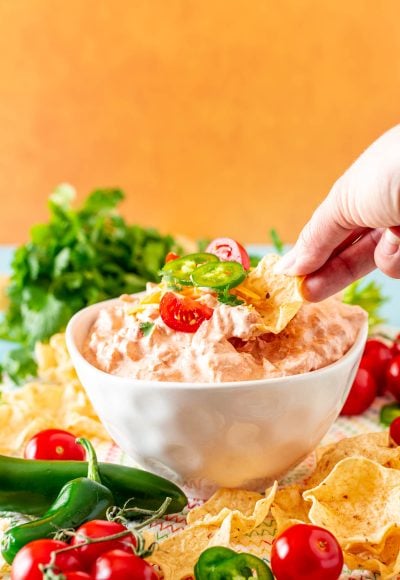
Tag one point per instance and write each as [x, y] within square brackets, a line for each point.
[170, 257]
[54, 444]
[229, 250]
[100, 529]
[395, 348]
[183, 314]
[376, 359]
[393, 377]
[306, 552]
[394, 431]
[26, 562]
[119, 565]
[77, 576]
[362, 393]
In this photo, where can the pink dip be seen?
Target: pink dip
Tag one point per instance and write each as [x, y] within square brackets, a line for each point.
[224, 348]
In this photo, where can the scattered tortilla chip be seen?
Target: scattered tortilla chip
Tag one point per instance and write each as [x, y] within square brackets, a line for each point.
[276, 297]
[216, 525]
[226, 498]
[289, 507]
[359, 501]
[372, 446]
[4, 282]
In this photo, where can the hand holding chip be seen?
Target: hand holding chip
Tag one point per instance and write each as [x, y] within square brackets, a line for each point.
[356, 228]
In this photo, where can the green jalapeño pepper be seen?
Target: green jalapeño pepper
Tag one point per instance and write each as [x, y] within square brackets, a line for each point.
[179, 270]
[218, 563]
[389, 413]
[219, 275]
[79, 501]
[30, 486]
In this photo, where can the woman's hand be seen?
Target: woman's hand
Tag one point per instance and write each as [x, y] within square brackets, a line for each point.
[356, 228]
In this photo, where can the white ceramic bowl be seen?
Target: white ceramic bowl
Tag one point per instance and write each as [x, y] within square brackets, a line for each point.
[203, 436]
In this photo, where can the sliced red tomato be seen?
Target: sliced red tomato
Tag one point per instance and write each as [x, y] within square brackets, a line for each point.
[183, 314]
[362, 393]
[376, 358]
[54, 444]
[27, 561]
[229, 250]
[393, 377]
[170, 257]
[100, 529]
[306, 552]
[119, 565]
[394, 431]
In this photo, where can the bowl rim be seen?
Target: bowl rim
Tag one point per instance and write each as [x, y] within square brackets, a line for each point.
[75, 353]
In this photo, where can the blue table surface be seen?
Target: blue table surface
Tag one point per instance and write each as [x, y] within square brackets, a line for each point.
[391, 287]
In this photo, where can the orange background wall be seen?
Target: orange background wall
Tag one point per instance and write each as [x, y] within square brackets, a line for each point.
[216, 116]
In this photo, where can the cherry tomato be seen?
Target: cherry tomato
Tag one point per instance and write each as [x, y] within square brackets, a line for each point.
[306, 552]
[394, 431]
[26, 562]
[229, 250]
[119, 565]
[170, 257]
[100, 529]
[77, 576]
[395, 348]
[183, 314]
[376, 359]
[362, 393]
[393, 377]
[54, 444]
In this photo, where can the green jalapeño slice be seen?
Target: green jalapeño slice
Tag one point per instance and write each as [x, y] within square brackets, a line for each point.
[219, 275]
[180, 270]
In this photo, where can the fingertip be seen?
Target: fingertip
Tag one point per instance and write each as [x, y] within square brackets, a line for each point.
[387, 254]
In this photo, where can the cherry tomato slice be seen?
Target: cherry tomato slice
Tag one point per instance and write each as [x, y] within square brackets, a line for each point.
[229, 250]
[393, 377]
[100, 529]
[119, 565]
[306, 552]
[376, 358]
[170, 257]
[26, 562]
[394, 431]
[54, 444]
[183, 314]
[219, 275]
[362, 393]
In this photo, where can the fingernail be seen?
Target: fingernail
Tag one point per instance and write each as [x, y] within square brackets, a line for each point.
[390, 243]
[285, 263]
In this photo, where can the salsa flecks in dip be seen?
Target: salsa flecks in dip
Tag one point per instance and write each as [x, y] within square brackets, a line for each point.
[257, 328]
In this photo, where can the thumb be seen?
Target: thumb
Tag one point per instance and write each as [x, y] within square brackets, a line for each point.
[387, 253]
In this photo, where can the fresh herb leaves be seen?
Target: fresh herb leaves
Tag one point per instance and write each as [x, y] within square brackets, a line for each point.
[146, 328]
[226, 297]
[369, 296]
[81, 256]
[276, 241]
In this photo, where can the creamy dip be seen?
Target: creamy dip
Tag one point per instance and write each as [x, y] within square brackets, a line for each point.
[227, 347]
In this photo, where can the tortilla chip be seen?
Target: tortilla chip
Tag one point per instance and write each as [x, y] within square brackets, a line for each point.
[372, 446]
[225, 498]
[289, 507]
[4, 283]
[38, 406]
[359, 501]
[217, 525]
[276, 297]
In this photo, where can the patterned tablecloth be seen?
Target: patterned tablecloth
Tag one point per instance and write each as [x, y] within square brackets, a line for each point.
[259, 541]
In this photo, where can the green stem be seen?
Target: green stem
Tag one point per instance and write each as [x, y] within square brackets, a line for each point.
[93, 466]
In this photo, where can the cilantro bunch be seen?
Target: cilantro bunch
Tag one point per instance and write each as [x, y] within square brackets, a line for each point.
[81, 256]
